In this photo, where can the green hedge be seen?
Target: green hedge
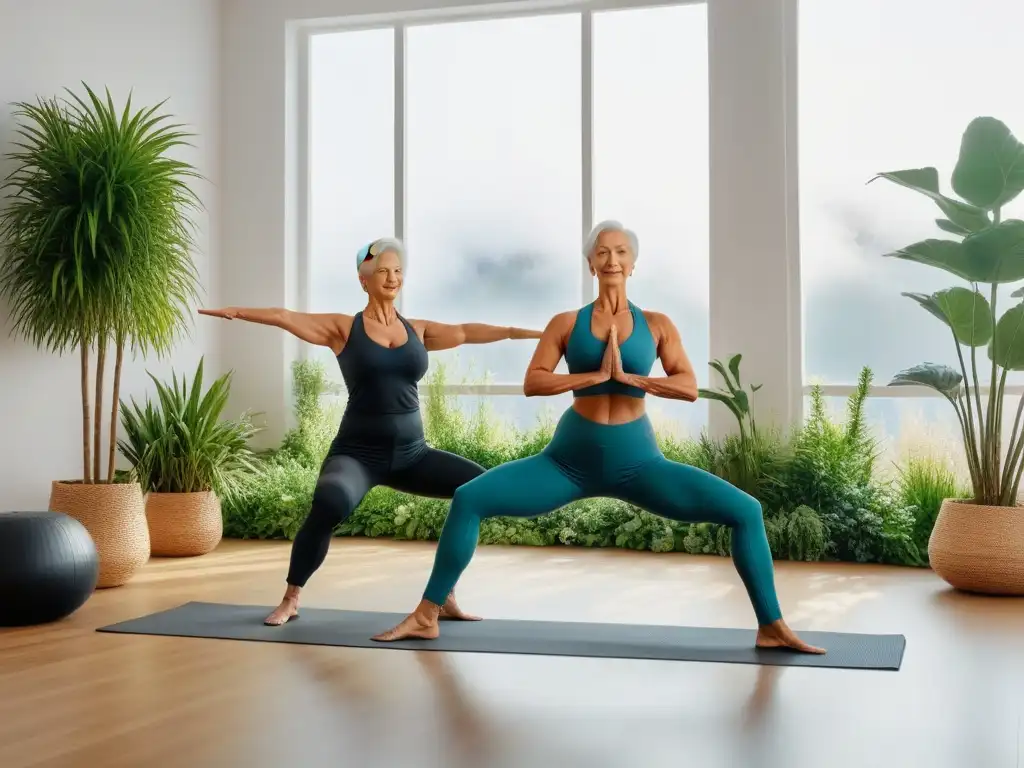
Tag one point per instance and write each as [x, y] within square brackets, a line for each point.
[819, 487]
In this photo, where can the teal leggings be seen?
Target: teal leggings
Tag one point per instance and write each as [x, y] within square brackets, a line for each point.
[585, 459]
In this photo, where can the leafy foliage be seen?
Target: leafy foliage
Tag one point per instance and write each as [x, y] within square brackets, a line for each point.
[924, 483]
[96, 238]
[989, 173]
[832, 471]
[182, 445]
[818, 487]
[797, 535]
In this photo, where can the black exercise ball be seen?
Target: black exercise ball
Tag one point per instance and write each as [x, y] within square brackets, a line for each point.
[48, 567]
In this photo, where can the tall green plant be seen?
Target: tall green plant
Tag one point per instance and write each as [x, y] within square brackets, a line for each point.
[734, 396]
[923, 484]
[182, 445]
[96, 241]
[987, 251]
[747, 460]
[316, 423]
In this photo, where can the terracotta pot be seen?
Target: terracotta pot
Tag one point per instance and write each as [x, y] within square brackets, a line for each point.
[115, 516]
[184, 524]
[977, 548]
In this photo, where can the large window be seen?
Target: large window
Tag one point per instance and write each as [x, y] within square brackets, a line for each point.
[651, 157]
[516, 135]
[888, 85]
[493, 181]
[352, 161]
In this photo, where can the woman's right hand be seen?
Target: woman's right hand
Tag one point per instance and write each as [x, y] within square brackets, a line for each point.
[228, 313]
[611, 361]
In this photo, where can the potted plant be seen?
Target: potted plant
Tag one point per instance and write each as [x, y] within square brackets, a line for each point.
[95, 242]
[186, 458]
[977, 544]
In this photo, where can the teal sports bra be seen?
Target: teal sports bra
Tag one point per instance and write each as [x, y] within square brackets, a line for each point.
[584, 352]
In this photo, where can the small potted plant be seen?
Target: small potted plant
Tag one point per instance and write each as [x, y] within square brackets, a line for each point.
[96, 258]
[186, 458]
[977, 544]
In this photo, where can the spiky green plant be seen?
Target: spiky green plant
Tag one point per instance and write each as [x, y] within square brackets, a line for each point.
[924, 483]
[181, 444]
[96, 240]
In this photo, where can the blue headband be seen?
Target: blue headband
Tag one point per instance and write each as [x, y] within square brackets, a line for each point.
[366, 253]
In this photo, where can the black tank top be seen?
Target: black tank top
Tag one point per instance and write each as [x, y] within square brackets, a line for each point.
[381, 380]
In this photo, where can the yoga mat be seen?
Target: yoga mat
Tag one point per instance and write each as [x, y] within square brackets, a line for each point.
[318, 626]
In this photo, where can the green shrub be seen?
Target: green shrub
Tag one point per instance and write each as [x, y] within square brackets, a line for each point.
[819, 488]
[273, 501]
[797, 535]
[831, 470]
[923, 485]
[180, 444]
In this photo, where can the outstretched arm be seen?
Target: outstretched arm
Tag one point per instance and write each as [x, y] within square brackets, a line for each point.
[680, 382]
[438, 336]
[541, 378]
[325, 330]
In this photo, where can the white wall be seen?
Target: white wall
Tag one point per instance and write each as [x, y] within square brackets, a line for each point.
[753, 251]
[162, 50]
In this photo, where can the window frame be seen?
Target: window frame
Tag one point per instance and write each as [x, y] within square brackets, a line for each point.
[793, 219]
[400, 23]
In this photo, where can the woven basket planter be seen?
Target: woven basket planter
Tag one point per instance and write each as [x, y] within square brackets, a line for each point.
[115, 516]
[977, 548]
[184, 524]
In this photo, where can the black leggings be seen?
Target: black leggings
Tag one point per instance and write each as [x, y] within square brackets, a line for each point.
[345, 480]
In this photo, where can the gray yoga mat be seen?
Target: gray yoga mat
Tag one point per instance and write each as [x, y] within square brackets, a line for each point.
[318, 626]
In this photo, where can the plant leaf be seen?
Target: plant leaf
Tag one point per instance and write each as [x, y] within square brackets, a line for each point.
[928, 303]
[939, 377]
[989, 171]
[997, 254]
[966, 312]
[734, 368]
[926, 182]
[1008, 340]
[944, 254]
[954, 229]
[724, 373]
[722, 397]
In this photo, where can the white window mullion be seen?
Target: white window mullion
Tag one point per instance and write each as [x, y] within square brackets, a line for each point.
[587, 127]
[400, 162]
[304, 130]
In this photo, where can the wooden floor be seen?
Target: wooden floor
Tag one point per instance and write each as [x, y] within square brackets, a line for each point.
[70, 696]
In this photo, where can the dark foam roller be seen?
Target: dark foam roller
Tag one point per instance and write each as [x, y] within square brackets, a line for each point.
[354, 629]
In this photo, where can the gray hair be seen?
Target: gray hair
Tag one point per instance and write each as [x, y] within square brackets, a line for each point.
[381, 246]
[610, 226]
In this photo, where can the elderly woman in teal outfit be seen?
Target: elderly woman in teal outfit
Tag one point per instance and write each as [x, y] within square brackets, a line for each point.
[604, 445]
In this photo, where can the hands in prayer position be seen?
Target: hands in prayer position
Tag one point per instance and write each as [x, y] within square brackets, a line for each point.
[611, 363]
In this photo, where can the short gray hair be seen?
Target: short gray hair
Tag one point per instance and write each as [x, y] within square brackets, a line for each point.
[610, 226]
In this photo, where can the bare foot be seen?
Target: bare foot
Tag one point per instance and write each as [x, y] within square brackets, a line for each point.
[778, 635]
[420, 624]
[450, 610]
[285, 612]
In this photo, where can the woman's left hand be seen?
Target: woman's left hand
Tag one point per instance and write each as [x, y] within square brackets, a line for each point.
[618, 374]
